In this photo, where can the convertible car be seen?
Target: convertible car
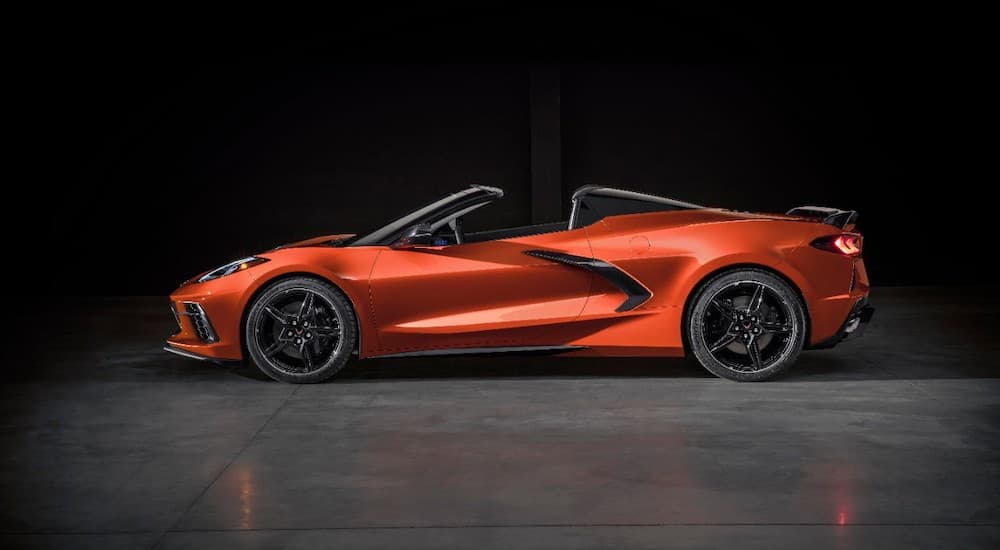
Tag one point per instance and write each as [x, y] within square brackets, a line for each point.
[629, 274]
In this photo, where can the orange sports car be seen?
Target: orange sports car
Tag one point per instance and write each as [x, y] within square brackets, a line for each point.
[629, 274]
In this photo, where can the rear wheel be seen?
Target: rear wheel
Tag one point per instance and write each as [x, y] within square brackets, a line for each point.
[746, 325]
[300, 330]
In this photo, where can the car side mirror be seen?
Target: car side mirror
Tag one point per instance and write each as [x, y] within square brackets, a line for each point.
[416, 236]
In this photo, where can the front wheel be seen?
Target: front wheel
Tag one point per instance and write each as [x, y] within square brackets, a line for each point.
[746, 325]
[300, 330]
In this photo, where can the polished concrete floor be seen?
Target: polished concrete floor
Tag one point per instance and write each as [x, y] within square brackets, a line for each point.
[892, 440]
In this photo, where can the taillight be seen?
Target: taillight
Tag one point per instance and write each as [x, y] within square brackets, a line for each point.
[848, 244]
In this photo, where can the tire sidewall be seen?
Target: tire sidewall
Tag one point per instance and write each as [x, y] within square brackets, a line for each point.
[695, 329]
[348, 329]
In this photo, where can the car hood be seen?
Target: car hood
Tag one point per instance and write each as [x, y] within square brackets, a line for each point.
[324, 240]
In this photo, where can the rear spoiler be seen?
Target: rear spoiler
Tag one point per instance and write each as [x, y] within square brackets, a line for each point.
[841, 219]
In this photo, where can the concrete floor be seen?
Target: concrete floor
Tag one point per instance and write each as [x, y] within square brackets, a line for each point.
[892, 440]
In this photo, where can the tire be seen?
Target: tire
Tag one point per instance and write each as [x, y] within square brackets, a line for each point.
[738, 334]
[293, 341]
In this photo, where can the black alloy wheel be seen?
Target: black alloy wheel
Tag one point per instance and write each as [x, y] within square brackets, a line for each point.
[300, 330]
[746, 325]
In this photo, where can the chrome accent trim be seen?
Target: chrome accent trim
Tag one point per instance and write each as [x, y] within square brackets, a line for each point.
[852, 325]
[858, 320]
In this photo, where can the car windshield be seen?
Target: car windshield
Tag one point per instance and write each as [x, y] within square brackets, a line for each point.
[464, 200]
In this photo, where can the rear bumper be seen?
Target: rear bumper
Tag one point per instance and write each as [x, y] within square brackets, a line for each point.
[858, 321]
[853, 327]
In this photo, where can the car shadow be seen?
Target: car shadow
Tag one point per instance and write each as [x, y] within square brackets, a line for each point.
[520, 366]
[812, 367]
[152, 363]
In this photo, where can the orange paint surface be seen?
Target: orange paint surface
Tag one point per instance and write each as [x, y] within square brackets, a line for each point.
[491, 293]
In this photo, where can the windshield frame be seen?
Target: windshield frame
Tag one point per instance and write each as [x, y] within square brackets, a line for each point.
[436, 212]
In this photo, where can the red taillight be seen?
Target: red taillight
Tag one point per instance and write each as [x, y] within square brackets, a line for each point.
[848, 244]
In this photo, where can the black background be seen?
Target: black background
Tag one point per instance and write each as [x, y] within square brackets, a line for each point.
[157, 149]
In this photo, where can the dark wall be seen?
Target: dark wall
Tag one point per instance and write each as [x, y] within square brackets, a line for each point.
[886, 140]
[160, 153]
[185, 171]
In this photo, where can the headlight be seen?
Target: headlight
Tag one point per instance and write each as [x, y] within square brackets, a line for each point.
[232, 267]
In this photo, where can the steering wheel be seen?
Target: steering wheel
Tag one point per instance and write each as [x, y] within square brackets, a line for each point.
[456, 226]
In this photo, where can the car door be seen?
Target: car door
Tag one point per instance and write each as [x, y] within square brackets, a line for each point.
[485, 294]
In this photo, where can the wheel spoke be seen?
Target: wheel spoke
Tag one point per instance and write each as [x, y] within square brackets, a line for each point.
[275, 348]
[722, 342]
[767, 326]
[757, 299]
[307, 304]
[306, 355]
[724, 309]
[326, 331]
[754, 353]
[278, 316]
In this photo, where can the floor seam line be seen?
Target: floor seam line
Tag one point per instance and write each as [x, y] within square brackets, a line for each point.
[581, 525]
[204, 491]
[906, 381]
[505, 526]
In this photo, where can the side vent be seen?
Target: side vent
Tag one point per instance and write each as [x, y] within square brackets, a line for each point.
[635, 292]
[199, 320]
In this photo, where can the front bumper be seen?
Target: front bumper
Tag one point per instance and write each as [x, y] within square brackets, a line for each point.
[196, 335]
[209, 317]
[853, 327]
[193, 355]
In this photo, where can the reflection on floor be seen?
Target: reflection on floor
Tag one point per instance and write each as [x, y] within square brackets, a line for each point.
[890, 440]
